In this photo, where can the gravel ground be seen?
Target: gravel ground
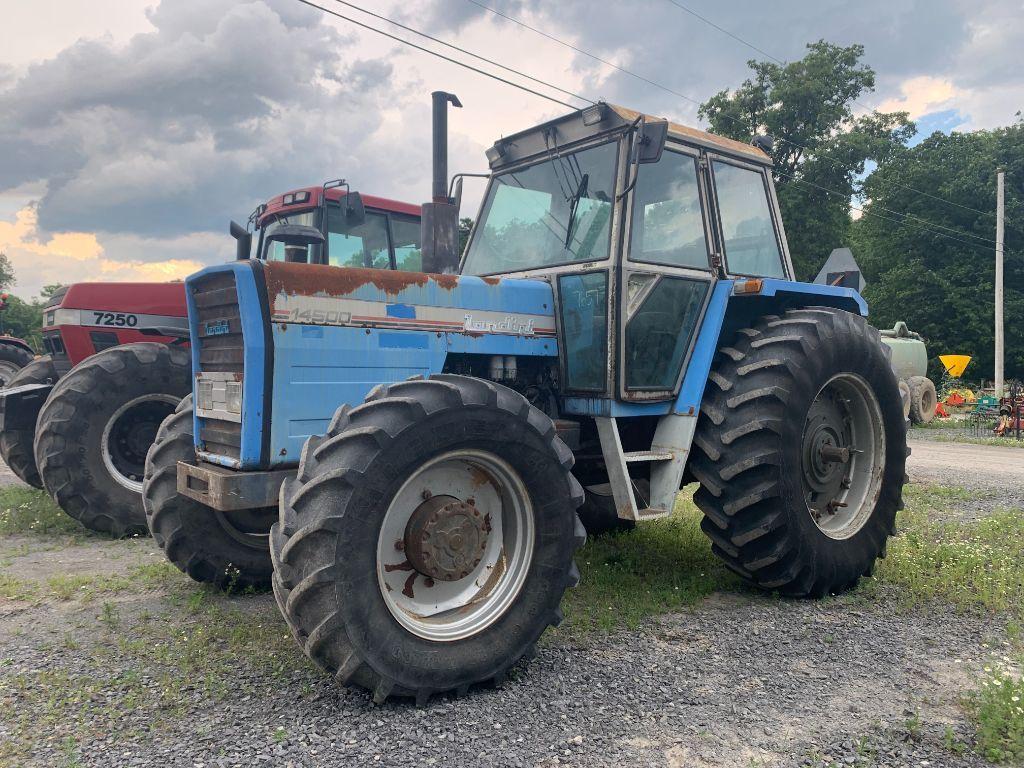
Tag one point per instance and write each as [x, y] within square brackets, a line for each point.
[739, 680]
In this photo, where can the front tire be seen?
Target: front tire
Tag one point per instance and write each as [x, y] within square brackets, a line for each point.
[16, 444]
[228, 550]
[97, 425]
[800, 452]
[428, 538]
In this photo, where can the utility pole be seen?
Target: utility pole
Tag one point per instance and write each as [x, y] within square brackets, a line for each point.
[999, 282]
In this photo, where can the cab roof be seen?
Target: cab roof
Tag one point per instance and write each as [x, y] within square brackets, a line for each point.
[604, 118]
[306, 198]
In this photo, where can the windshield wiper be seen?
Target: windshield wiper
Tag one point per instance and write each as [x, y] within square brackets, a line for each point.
[574, 205]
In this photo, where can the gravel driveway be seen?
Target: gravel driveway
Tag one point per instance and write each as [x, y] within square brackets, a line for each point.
[740, 680]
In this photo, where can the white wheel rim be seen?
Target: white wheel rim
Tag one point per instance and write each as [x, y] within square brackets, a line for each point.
[841, 495]
[454, 608]
[111, 457]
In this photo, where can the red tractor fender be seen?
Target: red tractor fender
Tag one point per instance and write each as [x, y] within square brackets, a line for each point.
[16, 342]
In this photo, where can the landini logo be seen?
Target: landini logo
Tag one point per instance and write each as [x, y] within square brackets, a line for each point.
[508, 324]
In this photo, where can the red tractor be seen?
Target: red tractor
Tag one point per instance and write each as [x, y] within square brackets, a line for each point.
[79, 421]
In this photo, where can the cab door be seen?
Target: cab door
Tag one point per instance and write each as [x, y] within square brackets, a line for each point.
[667, 273]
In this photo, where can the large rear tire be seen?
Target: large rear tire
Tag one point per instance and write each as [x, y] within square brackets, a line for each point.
[229, 550]
[16, 444]
[97, 425]
[800, 452]
[923, 399]
[13, 357]
[428, 538]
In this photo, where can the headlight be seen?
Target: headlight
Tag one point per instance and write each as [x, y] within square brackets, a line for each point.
[219, 396]
[233, 396]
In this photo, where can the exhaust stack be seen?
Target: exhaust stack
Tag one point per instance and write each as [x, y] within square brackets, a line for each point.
[439, 225]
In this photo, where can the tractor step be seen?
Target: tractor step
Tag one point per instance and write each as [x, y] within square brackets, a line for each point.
[652, 514]
[648, 456]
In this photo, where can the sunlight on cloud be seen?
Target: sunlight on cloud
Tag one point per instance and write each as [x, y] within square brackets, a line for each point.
[921, 95]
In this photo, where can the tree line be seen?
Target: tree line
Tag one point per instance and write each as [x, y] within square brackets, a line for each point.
[924, 238]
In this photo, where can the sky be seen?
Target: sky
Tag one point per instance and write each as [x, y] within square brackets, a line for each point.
[132, 131]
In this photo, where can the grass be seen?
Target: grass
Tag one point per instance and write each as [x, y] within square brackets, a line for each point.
[30, 512]
[204, 648]
[1002, 442]
[661, 566]
[201, 645]
[976, 565]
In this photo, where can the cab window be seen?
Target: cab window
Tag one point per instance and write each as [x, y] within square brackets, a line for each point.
[750, 244]
[668, 222]
[558, 211]
[405, 232]
[365, 245]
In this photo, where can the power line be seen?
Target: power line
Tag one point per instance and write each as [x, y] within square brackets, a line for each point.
[690, 99]
[865, 212]
[438, 55]
[887, 210]
[546, 84]
[463, 50]
[724, 31]
[777, 60]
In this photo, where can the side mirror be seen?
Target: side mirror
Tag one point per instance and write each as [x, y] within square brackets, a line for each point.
[243, 238]
[457, 194]
[650, 140]
[355, 211]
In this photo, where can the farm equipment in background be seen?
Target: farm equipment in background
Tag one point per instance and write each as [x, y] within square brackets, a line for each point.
[403, 455]
[15, 353]
[910, 362]
[79, 421]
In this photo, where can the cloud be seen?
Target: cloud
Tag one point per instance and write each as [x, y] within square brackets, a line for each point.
[67, 257]
[921, 95]
[224, 104]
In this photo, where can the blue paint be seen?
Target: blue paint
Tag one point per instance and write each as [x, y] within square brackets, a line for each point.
[407, 340]
[400, 310]
[312, 332]
[253, 362]
[808, 291]
[602, 406]
[697, 370]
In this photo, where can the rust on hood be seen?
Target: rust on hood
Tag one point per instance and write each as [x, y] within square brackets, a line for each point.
[323, 280]
[491, 280]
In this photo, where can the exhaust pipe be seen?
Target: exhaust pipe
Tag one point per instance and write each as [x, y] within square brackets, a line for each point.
[439, 225]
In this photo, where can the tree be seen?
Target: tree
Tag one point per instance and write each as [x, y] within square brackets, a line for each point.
[940, 281]
[6, 272]
[465, 227]
[806, 106]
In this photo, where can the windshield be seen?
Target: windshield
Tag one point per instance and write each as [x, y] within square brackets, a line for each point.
[274, 250]
[348, 245]
[556, 212]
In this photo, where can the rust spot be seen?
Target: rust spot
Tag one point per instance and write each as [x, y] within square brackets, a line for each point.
[487, 522]
[448, 282]
[428, 582]
[323, 280]
[404, 566]
[472, 334]
[479, 477]
[407, 589]
[491, 280]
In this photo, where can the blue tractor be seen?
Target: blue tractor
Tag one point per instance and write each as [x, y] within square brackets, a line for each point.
[407, 456]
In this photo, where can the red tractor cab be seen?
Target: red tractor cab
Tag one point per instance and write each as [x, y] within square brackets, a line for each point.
[80, 420]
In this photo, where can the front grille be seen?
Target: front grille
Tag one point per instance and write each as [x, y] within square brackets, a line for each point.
[221, 350]
[219, 325]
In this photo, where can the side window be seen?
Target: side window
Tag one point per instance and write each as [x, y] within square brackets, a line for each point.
[406, 235]
[659, 334]
[363, 246]
[668, 223]
[584, 306]
[751, 247]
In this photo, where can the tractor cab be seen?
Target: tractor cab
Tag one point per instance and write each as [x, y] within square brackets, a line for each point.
[633, 221]
[335, 226]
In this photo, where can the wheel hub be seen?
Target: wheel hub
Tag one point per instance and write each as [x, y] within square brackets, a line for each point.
[446, 538]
